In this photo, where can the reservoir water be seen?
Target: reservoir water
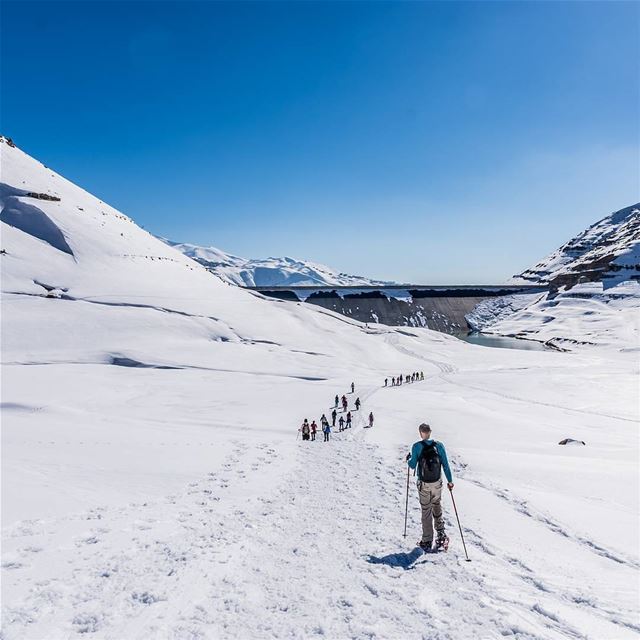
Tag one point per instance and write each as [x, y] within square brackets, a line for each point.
[501, 342]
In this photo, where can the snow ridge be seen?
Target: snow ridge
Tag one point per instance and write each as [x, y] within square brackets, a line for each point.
[269, 272]
[594, 291]
[608, 251]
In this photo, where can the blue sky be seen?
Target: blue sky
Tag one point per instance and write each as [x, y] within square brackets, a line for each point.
[446, 142]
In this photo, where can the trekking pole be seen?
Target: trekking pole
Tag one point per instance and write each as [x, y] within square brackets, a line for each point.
[406, 506]
[464, 546]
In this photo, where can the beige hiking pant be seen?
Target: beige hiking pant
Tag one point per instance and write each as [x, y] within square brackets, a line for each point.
[430, 495]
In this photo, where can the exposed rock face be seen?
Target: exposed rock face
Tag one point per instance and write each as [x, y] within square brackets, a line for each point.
[41, 196]
[442, 310]
[594, 291]
[608, 252]
[441, 314]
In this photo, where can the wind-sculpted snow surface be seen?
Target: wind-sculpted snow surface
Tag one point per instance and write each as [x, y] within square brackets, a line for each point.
[153, 485]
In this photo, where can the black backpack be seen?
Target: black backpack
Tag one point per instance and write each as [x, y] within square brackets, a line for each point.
[429, 464]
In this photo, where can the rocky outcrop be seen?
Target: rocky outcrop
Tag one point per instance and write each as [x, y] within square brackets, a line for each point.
[441, 309]
[41, 196]
[608, 252]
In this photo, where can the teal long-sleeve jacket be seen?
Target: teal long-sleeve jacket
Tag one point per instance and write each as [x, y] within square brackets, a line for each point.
[416, 450]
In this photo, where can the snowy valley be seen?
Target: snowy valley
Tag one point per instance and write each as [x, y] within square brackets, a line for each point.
[154, 484]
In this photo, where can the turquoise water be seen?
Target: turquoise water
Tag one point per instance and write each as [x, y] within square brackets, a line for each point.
[502, 343]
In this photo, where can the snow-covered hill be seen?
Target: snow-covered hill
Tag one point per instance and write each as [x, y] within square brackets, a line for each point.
[154, 486]
[269, 272]
[594, 291]
[608, 252]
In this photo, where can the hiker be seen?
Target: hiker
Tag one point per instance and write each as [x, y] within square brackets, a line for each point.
[349, 420]
[327, 431]
[334, 413]
[429, 458]
[323, 420]
[305, 430]
[371, 419]
[314, 428]
[336, 405]
[345, 404]
[385, 382]
[422, 375]
[341, 423]
[393, 382]
[353, 387]
[357, 404]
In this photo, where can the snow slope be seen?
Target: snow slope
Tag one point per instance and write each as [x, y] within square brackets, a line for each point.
[153, 485]
[608, 251]
[594, 295]
[269, 271]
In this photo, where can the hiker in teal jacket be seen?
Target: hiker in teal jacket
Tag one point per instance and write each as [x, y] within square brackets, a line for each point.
[429, 458]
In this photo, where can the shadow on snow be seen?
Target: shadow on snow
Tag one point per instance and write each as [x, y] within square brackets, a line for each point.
[399, 560]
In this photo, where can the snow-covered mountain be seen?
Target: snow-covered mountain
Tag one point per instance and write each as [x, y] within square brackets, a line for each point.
[269, 272]
[608, 252]
[154, 484]
[594, 290]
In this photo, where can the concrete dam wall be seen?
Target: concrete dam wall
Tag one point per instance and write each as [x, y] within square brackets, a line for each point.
[439, 308]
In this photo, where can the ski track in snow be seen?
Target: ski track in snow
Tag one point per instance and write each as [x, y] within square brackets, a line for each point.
[196, 564]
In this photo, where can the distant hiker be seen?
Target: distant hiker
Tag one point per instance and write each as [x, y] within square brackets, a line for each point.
[336, 405]
[385, 382]
[334, 413]
[357, 404]
[314, 428]
[429, 457]
[341, 423]
[305, 430]
[393, 382]
[349, 420]
[353, 387]
[400, 378]
[327, 431]
[345, 403]
[323, 420]
[371, 419]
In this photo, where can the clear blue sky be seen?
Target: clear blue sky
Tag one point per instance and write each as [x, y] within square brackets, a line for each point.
[426, 142]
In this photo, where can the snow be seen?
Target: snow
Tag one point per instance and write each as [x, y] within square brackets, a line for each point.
[594, 296]
[172, 499]
[610, 247]
[268, 272]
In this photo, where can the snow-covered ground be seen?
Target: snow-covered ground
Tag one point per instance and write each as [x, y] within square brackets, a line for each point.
[594, 296]
[153, 485]
[269, 272]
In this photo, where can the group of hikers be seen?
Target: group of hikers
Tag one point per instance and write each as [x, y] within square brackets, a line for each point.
[416, 376]
[310, 430]
[427, 458]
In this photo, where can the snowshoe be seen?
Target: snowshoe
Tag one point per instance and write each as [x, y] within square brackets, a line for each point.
[442, 543]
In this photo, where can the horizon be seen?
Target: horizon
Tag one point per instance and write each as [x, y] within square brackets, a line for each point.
[407, 142]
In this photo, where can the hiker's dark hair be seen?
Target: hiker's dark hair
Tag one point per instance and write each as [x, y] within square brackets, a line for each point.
[424, 428]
